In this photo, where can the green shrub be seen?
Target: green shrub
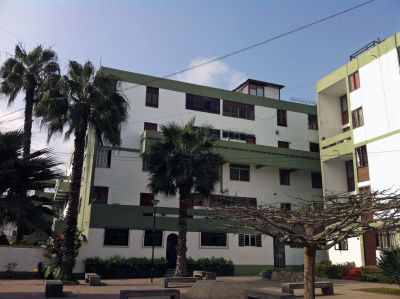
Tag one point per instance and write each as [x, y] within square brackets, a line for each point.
[337, 271]
[389, 264]
[122, 267]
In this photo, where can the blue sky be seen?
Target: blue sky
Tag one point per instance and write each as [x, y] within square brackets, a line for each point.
[161, 37]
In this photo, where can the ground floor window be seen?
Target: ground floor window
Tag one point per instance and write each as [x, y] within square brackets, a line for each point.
[342, 245]
[246, 240]
[386, 239]
[148, 238]
[116, 237]
[213, 239]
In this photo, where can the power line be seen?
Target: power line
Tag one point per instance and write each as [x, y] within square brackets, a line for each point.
[279, 36]
[12, 112]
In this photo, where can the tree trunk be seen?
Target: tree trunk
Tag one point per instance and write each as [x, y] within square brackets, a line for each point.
[309, 273]
[26, 144]
[181, 268]
[71, 218]
[29, 100]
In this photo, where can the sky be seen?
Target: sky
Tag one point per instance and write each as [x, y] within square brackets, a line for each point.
[162, 37]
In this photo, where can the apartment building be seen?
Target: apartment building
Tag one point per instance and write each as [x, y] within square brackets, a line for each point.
[272, 153]
[359, 133]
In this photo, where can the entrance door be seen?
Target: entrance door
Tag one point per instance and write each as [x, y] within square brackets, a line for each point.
[279, 254]
[172, 241]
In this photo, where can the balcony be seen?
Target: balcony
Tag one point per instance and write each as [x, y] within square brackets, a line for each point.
[336, 146]
[259, 155]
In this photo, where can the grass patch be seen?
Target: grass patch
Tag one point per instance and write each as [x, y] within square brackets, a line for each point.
[386, 291]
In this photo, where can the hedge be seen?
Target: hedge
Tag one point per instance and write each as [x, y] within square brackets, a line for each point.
[121, 267]
[337, 271]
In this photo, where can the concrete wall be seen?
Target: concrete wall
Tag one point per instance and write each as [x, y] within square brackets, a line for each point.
[353, 254]
[249, 256]
[27, 259]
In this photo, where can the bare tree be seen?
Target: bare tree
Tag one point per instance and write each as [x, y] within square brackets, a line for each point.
[316, 225]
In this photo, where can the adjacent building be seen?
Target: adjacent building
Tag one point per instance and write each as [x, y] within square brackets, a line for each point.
[272, 153]
[359, 135]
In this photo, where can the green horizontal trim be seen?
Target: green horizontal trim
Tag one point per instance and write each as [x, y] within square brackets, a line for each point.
[129, 216]
[336, 139]
[254, 154]
[377, 138]
[119, 148]
[341, 73]
[209, 91]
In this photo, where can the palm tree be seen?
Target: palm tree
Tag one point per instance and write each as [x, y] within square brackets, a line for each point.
[26, 71]
[183, 162]
[20, 177]
[81, 99]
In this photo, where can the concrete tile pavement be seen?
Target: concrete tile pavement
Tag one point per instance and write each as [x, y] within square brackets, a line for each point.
[34, 289]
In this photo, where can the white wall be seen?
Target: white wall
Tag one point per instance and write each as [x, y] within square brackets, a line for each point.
[378, 95]
[334, 176]
[353, 254]
[27, 259]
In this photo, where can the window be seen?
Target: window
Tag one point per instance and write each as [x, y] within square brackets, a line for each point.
[215, 133]
[145, 162]
[240, 172]
[150, 126]
[314, 147]
[342, 245]
[354, 81]
[100, 195]
[146, 199]
[284, 176]
[103, 158]
[386, 239]
[358, 118]
[257, 90]
[312, 122]
[362, 158]
[238, 110]
[204, 104]
[350, 176]
[286, 206]
[152, 97]
[282, 118]
[283, 144]
[344, 109]
[316, 180]
[213, 239]
[246, 240]
[148, 238]
[116, 237]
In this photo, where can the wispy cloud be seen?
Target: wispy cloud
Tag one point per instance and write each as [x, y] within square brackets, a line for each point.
[216, 74]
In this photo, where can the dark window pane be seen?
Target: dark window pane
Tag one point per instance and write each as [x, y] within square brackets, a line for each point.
[312, 122]
[148, 238]
[150, 126]
[316, 180]
[314, 147]
[284, 176]
[238, 110]
[116, 237]
[282, 118]
[239, 172]
[152, 97]
[362, 158]
[234, 174]
[202, 103]
[213, 239]
[283, 144]
[100, 195]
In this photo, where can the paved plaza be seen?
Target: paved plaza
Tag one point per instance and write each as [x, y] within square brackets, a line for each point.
[34, 289]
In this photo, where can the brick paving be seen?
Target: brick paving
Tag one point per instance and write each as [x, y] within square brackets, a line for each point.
[34, 289]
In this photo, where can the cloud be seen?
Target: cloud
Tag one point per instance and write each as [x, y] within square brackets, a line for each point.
[216, 74]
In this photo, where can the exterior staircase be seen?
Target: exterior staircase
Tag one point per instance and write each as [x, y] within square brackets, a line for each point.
[353, 274]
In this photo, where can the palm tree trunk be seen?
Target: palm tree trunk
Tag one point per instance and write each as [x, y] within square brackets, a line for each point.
[181, 267]
[29, 100]
[71, 218]
[309, 273]
[26, 147]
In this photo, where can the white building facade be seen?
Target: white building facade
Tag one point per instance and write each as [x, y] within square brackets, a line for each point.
[271, 148]
[359, 127]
